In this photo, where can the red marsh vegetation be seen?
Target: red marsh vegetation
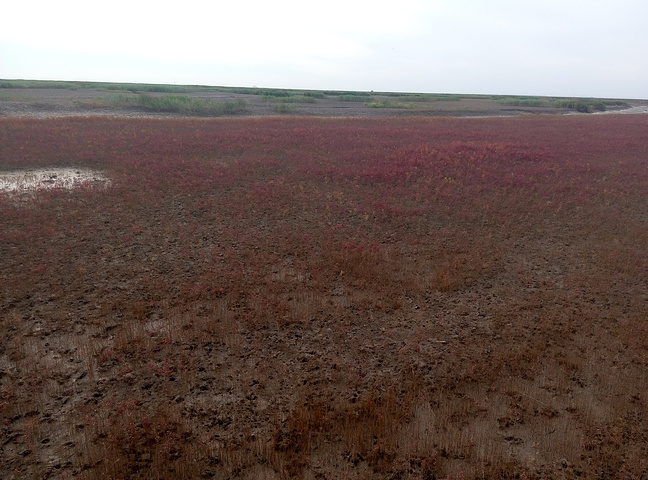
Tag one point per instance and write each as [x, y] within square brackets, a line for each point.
[326, 298]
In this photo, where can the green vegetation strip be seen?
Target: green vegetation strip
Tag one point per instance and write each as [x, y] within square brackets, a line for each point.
[388, 104]
[169, 104]
[186, 104]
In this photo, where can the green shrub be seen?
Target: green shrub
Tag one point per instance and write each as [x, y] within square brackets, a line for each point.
[355, 98]
[231, 108]
[388, 104]
[295, 99]
[151, 88]
[580, 104]
[521, 101]
[42, 84]
[445, 97]
[615, 103]
[284, 108]
[168, 103]
[115, 100]
[276, 93]
[411, 97]
[186, 104]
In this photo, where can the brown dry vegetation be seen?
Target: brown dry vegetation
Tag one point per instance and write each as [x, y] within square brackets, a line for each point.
[317, 298]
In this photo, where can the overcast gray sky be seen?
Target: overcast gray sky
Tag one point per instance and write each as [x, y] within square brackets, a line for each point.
[590, 48]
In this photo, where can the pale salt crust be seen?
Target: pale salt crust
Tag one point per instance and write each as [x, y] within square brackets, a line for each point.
[637, 109]
[18, 181]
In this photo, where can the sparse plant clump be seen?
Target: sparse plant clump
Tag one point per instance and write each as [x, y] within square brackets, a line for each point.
[355, 97]
[522, 101]
[284, 107]
[186, 104]
[182, 104]
[298, 99]
[389, 104]
[316, 95]
[581, 105]
[589, 105]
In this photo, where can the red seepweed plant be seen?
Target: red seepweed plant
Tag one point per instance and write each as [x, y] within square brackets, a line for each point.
[314, 298]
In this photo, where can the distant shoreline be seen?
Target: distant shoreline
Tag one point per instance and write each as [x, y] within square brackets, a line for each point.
[38, 99]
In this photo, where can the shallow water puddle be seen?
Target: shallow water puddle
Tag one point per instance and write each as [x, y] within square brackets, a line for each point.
[17, 181]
